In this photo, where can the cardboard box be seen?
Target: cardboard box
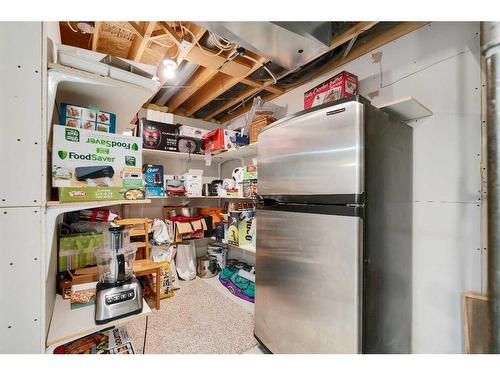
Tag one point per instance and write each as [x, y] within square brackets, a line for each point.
[233, 232]
[244, 227]
[88, 158]
[87, 118]
[98, 193]
[187, 229]
[250, 172]
[192, 132]
[174, 185]
[220, 140]
[153, 180]
[152, 115]
[339, 86]
[193, 182]
[158, 136]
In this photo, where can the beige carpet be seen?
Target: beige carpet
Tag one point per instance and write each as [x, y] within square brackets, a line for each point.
[197, 320]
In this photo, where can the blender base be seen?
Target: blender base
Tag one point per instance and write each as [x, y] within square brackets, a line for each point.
[115, 301]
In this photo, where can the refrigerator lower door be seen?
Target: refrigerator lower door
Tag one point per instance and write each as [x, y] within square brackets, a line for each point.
[319, 152]
[308, 288]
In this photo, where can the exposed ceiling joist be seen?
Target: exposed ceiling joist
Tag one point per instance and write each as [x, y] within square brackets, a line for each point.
[95, 36]
[196, 82]
[245, 94]
[350, 34]
[171, 33]
[207, 58]
[374, 43]
[139, 31]
[206, 96]
[353, 32]
[140, 43]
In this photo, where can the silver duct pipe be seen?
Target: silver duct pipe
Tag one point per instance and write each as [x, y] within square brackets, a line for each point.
[184, 72]
[491, 52]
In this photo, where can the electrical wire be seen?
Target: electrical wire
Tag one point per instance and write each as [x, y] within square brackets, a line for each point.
[199, 45]
[217, 41]
[265, 67]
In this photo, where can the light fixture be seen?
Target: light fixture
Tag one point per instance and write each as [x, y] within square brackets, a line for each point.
[169, 68]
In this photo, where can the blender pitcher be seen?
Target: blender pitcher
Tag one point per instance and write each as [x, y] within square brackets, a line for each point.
[115, 260]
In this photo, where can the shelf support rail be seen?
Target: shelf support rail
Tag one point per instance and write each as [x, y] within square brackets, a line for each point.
[491, 51]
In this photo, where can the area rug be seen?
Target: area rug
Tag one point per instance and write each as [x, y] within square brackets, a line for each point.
[197, 320]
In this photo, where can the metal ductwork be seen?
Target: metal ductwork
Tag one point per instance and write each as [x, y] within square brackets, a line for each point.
[491, 52]
[288, 44]
[169, 88]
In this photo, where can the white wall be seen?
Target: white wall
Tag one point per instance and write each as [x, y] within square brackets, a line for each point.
[22, 169]
[439, 65]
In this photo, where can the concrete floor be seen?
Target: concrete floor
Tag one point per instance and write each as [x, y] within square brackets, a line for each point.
[250, 307]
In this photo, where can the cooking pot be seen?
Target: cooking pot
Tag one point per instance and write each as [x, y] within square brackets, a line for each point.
[190, 211]
[207, 266]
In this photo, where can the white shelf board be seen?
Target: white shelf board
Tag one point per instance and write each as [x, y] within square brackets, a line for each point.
[204, 197]
[407, 109]
[82, 88]
[241, 152]
[174, 154]
[84, 205]
[237, 153]
[67, 324]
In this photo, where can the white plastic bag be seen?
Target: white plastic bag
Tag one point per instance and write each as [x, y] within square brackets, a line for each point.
[185, 260]
[160, 232]
[173, 276]
[162, 252]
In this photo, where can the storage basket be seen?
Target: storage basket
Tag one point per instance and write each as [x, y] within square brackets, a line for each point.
[77, 250]
[258, 124]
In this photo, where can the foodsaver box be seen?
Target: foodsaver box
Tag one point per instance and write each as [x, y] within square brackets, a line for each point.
[339, 86]
[91, 159]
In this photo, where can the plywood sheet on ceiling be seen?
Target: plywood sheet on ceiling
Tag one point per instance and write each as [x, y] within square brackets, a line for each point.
[153, 55]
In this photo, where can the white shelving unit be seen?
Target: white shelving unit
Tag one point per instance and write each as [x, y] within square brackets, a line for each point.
[82, 88]
[65, 84]
[67, 324]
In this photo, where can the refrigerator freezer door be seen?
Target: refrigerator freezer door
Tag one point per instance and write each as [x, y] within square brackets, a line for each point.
[316, 153]
[308, 291]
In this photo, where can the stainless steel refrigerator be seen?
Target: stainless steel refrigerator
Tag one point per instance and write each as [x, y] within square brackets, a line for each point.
[334, 232]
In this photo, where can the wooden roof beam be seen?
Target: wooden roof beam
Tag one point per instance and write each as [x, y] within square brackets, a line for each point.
[243, 96]
[95, 36]
[218, 87]
[139, 31]
[171, 33]
[200, 77]
[139, 43]
[372, 44]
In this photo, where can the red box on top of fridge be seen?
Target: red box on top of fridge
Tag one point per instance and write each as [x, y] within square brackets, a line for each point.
[339, 86]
